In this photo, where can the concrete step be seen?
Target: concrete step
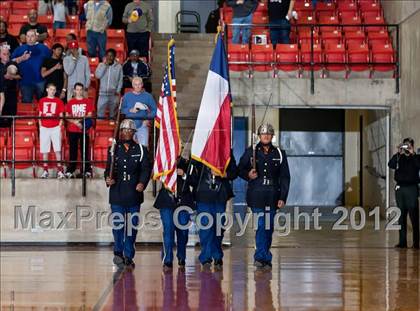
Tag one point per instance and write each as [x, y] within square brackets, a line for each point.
[185, 44]
[183, 36]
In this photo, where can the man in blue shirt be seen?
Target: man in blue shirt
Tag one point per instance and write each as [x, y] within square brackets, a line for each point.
[140, 106]
[30, 57]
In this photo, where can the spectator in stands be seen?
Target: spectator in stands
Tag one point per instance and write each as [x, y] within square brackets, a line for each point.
[6, 38]
[71, 6]
[280, 15]
[213, 19]
[60, 12]
[52, 70]
[2, 99]
[44, 6]
[139, 19]
[30, 57]
[139, 105]
[69, 38]
[41, 30]
[243, 11]
[110, 74]
[98, 19]
[9, 72]
[76, 66]
[78, 107]
[50, 129]
[136, 67]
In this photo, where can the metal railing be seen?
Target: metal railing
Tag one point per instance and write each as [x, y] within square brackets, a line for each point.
[83, 162]
[36, 162]
[313, 63]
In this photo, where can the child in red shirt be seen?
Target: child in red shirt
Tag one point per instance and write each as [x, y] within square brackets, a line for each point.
[78, 107]
[50, 129]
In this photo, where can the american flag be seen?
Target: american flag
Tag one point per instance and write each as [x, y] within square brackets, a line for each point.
[169, 144]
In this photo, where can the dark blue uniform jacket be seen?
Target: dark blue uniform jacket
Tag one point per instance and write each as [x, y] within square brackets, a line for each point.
[273, 181]
[131, 167]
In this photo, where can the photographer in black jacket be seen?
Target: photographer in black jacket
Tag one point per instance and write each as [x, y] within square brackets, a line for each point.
[406, 164]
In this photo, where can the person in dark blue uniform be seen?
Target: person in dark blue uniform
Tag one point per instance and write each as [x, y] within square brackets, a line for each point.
[212, 193]
[268, 188]
[169, 205]
[130, 178]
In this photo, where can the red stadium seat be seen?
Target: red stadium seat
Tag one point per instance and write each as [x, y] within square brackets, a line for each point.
[115, 36]
[3, 146]
[100, 146]
[383, 53]
[238, 53]
[287, 53]
[118, 47]
[62, 33]
[331, 37]
[351, 20]
[83, 35]
[4, 12]
[46, 20]
[335, 53]
[227, 15]
[104, 126]
[26, 110]
[260, 18]
[325, 9]
[381, 37]
[302, 6]
[5, 5]
[306, 18]
[305, 35]
[73, 22]
[24, 151]
[14, 29]
[347, 6]
[20, 19]
[306, 56]
[355, 37]
[262, 7]
[263, 54]
[330, 20]
[368, 6]
[358, 53]
[374, 20]
[23, 7]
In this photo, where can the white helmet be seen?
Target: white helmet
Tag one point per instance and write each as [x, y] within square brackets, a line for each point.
[128, 124]
[266, 128]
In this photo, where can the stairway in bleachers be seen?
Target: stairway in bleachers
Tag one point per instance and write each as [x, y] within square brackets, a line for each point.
[192, 58]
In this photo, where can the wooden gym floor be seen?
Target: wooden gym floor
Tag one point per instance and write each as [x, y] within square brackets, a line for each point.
[312, 270]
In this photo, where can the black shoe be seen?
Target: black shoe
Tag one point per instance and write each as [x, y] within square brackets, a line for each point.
[129, 263]
[167, 266]
[181, 263]
[218, 264]
[259, 264]
[206, 265]
[268, 265]
[118, 260]
[400, 246]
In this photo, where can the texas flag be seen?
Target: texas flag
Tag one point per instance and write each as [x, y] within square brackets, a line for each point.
[212, 136]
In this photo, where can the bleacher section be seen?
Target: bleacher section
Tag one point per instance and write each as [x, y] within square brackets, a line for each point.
[26, 130]
[347, 35]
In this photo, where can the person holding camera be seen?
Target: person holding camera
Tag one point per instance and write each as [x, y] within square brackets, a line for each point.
[406, 164]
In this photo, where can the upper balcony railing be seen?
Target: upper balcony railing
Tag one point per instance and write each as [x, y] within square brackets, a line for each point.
[314, 50]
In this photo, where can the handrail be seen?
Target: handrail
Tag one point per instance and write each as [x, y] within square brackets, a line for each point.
[313, 62]
[83, 161]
